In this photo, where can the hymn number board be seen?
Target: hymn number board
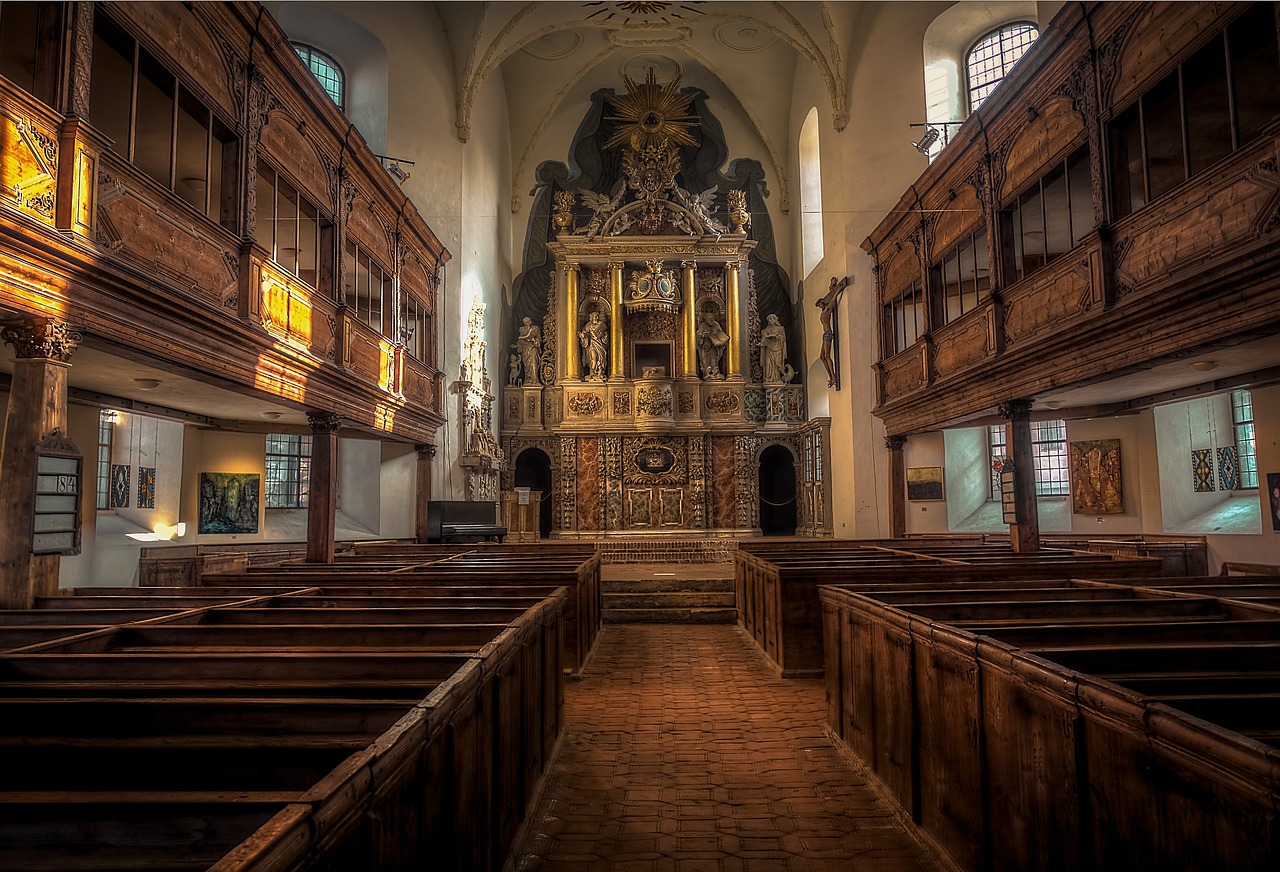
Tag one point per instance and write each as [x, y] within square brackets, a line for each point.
[55, 525]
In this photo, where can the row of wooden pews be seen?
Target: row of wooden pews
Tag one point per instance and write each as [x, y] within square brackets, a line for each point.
[371, 716]
[776, 582]
[1064, 725]
[457, 571]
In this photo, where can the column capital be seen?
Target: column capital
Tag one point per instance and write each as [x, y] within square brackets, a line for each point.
[324, 422]
[688, 264]
[733, 265]
[895, 443]
[426, 451]
[616, 264]
[572, 267]
[47, 338]
[1015, 410]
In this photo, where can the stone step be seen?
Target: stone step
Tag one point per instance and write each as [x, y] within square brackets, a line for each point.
[669, 600]
[651, 585]
[670, 616]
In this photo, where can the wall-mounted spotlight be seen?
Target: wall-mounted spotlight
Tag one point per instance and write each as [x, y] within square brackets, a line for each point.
[927, 141]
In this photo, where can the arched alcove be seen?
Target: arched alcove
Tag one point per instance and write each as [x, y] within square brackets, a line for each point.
[533, 470]
[777, 491]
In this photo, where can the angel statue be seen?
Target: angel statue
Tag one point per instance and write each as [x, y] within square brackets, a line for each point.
[602, 207]
[700, 206]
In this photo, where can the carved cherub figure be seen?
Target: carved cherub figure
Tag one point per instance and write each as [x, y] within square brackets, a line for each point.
[602, 207]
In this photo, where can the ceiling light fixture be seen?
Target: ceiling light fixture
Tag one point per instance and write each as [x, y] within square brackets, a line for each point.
[271, 416]
[147, 384]
[1204, 365]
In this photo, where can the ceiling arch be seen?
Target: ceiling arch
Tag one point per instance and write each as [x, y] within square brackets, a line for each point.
[486, 36]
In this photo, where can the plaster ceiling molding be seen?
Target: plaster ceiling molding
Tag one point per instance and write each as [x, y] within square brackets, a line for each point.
[650, 24]
[649, 38]
[637, 67]
[555, 45]
[744, 37]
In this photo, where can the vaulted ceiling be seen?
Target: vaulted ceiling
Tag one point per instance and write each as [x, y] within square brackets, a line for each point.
[551, 54]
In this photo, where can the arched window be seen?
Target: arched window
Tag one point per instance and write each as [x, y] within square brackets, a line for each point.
[810, 193]
[326, 70]
[993, 56]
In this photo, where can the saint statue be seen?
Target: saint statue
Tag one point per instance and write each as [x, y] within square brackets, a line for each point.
[773, 352]
[529, 346]
[595, 347]
[711, 341]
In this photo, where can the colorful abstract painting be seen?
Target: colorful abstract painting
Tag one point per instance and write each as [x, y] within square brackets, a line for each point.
[1228, 469]
[924, 483]
[1202, 470]
[229, 502]
[1095, 477]
[146, 487]
[120, 486]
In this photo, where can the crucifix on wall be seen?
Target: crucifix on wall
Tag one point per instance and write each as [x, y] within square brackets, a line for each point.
[830, 340]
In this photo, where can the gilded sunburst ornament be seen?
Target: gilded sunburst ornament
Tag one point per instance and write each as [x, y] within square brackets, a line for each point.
[650, 115]
[633, 13]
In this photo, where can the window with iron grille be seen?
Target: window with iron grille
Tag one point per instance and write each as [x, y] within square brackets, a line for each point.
[991, 58]
[326, 70]
[1246, 446]
[1048, 450]
[106, 431]
[288, 471]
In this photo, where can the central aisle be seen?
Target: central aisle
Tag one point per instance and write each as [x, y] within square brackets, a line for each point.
[682, 753]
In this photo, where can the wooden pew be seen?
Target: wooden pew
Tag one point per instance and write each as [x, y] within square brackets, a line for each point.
[338, 738]
[1059, 734]
[776, 585]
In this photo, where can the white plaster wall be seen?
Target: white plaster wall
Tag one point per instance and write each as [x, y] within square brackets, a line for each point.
[139, 441]
[219, 451]
[865, 169]
[398, 479]
[1138, 472]
[359, 494]
[1204, 422]
[927, 449]
[360, 54]
[1264, 547]
[968, 472]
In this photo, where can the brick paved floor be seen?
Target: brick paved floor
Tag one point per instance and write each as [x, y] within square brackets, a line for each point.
[682, 753]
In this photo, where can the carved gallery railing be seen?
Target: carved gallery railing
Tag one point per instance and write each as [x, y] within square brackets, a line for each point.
[186, 242]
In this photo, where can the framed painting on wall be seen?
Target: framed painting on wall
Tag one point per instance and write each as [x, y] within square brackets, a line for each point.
[1273, 499]
[229, 502]
[1095, 477]
[924, 483]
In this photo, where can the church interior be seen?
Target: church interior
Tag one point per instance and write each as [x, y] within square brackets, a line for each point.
[393, 393]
